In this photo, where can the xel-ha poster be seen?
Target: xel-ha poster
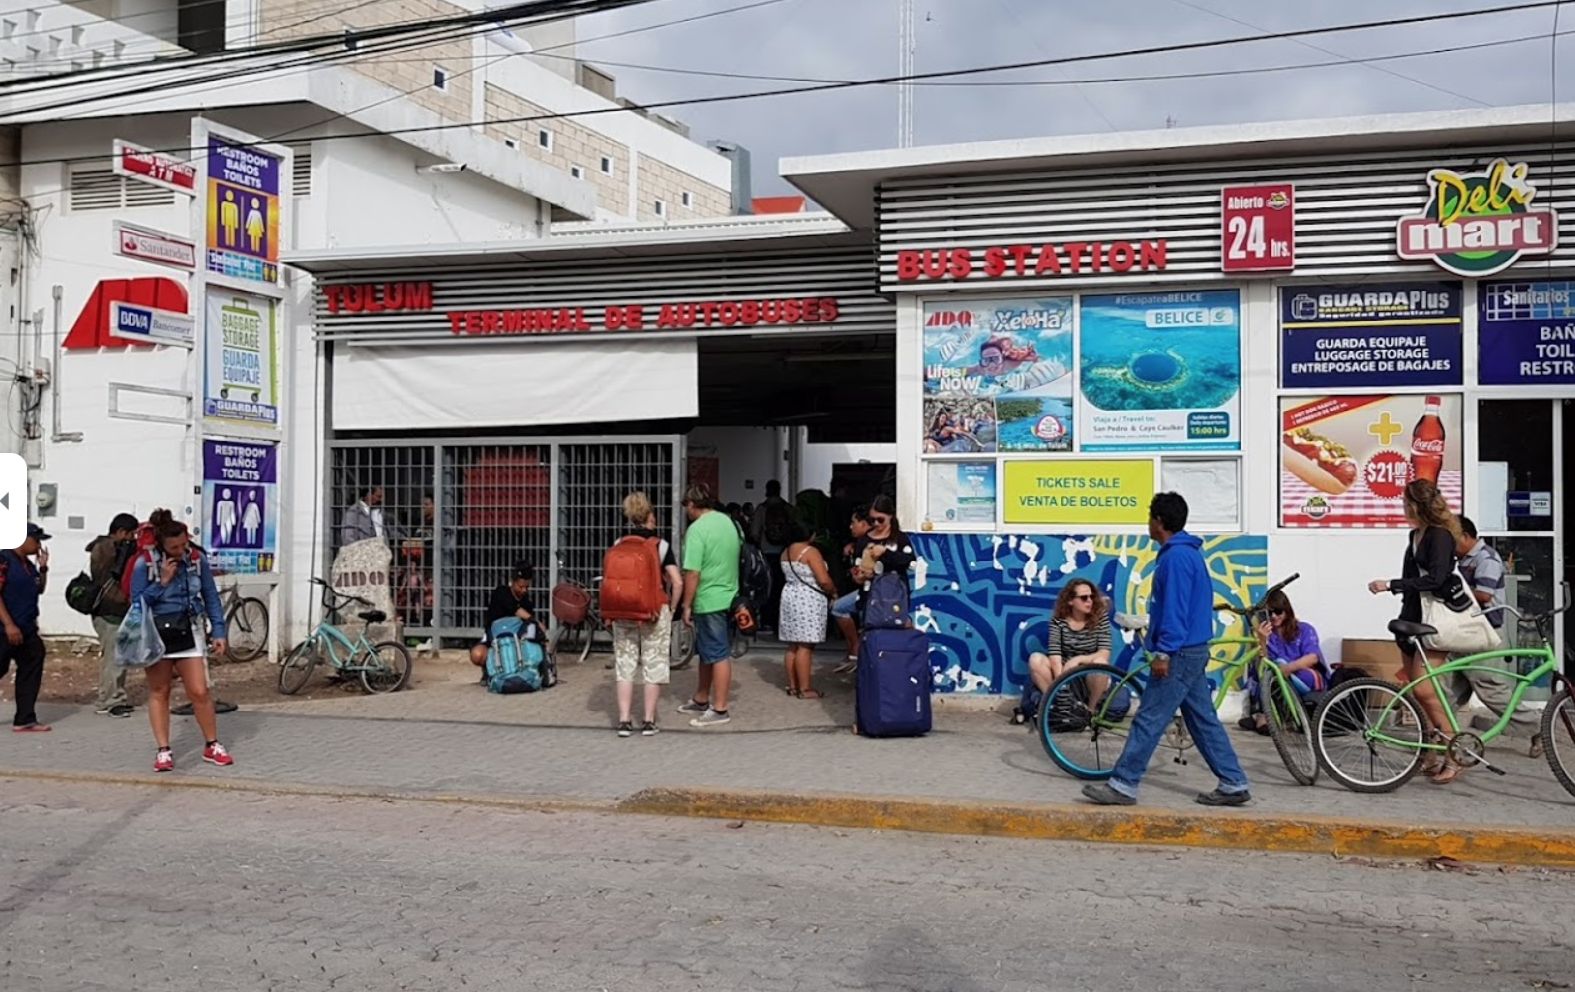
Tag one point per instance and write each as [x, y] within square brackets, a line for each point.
[1345, 460]
[1161, 371]
[998, 376]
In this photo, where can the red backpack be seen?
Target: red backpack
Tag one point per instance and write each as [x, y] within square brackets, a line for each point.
[139, 558]
[632, 580]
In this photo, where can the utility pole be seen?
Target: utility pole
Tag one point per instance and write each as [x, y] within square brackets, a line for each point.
[906, 45]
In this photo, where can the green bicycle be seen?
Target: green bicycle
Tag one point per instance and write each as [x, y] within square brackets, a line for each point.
[381, 667]
[1086, 717]
[1371, 734]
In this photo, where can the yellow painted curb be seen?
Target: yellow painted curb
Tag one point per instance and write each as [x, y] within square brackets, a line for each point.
[1126, 825]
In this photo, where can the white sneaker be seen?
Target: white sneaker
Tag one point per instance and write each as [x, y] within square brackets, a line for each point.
[710, 718]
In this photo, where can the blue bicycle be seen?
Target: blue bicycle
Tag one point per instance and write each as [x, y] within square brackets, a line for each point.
[381, 667]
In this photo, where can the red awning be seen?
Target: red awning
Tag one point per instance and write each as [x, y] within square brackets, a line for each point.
[91, 329]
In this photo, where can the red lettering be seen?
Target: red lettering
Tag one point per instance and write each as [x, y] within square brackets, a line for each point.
[728, 313]
[994, 263]
[490, 321]
[472, 322]
[1020, 254]
[1096, 257]
[792, 311]
[1049, 261]
[355, 298]
[829, 310]
[513, 320]
[1121, 256]
[707, 313]
[962, 263]
[334, 294]
[771, 311]
[1075, 250]
[456, 321]
[908, 266]
[636, 315]
[418, 296]
[812, 311]
[1153, 255]
[749, 313]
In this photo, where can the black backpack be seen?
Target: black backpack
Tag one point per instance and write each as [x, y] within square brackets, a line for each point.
[754, 571]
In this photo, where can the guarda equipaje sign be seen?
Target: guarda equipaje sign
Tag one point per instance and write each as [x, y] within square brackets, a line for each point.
[1476, 224]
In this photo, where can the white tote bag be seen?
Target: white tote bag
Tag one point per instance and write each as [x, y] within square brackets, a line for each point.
[1465, 632]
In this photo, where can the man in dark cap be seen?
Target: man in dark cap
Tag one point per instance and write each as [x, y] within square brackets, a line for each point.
[24, 572]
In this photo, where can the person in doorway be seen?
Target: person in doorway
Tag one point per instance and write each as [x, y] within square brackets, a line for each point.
[711, 549]
[1483, 571]
[174, 580]
[846, 605]
[1428, 567]
[107, 559]
[511, 599]
[1079, 635]
[1291, 643]
[363, 519]
[883, 548]
[646, 647]
[24, 573]
[770, 529]
[807, 590]
[1181, 621]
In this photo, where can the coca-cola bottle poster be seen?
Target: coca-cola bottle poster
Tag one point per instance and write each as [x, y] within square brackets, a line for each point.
[998, 376]
[1345, 460]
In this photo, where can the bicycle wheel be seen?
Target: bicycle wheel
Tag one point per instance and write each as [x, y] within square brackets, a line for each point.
[1343, 729]
[297, 668]
[1288, 726]
[1085, 719]
[248, 623]
[683, 647]
[1558, 739]
[387, 668]
[588, 630]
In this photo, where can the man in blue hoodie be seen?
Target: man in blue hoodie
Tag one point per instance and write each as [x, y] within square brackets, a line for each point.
[1181, 622]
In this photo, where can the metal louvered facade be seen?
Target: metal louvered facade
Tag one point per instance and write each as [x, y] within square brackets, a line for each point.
[588, 286]
[1347, 208]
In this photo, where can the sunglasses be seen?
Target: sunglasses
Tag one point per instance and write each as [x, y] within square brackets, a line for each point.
[874, 519]
[1085, 597]
[1276, 613]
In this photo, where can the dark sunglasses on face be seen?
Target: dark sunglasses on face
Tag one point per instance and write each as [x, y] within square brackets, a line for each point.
[879, 520]
[1085, 597]
[1276, 613]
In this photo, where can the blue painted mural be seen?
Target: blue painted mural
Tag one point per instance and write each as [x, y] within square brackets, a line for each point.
[985, 599]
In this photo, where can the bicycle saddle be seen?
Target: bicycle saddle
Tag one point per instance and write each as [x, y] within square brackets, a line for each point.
[373, 616]
[1405, 628]
[1127, 621]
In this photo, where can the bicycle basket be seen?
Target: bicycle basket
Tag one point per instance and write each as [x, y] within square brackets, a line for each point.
[570, 603]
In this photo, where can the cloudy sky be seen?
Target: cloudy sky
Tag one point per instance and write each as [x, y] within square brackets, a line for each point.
[853, 39]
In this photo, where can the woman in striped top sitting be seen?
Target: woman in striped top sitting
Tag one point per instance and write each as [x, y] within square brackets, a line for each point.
[1079, 635]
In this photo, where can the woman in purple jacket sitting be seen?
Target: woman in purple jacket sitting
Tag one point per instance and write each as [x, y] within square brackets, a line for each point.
[1291, 644]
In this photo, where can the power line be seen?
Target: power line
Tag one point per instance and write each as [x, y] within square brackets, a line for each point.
[836, 85]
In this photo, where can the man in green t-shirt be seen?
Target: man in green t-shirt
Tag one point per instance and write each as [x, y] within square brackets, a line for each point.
[711, 547]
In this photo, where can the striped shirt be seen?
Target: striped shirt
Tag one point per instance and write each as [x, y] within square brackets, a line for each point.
[1069, 643]
[1483, 571]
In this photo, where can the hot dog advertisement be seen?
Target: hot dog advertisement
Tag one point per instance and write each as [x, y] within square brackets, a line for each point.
[1345, 460]
[998, 376]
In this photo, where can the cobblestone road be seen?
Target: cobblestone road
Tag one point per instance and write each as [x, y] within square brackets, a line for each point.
[117, 887]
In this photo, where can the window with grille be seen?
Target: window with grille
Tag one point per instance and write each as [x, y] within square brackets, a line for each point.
[97, 188]
[302, 167]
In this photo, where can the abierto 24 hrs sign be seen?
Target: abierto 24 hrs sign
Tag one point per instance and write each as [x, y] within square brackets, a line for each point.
[1258, 228]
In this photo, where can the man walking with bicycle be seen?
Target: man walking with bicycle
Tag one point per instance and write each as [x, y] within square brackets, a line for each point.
[1181, 622]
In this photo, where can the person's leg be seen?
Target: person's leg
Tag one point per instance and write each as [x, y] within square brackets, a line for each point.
[626, 658]
[1495, 691]
[1197, 711]
[159, 677]
[194, 676]
[655, 660]
[111, 677]
[721, 684]
[790, 667]
[803, 663]
[1433, 708]
[1156, 708]
[1040, 671]
[29, 661]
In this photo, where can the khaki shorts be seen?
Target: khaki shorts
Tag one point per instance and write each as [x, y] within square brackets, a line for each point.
[643, 646]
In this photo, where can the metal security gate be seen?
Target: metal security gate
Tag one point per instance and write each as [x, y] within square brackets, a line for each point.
[458, 514]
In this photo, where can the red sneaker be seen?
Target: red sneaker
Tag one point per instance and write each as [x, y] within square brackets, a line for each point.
[215, 754]
[165, 762]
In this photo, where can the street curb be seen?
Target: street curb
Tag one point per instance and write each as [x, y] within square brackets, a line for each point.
[1137, 825]
[1301, 834]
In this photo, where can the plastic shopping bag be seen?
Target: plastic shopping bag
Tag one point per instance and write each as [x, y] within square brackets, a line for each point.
[137, 642]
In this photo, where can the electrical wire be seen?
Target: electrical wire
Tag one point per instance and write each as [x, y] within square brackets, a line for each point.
[832, 86]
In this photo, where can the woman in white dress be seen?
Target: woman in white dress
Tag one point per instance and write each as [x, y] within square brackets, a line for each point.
[807, 592]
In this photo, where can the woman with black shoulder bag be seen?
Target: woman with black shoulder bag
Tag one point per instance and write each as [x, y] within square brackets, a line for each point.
[173, 580]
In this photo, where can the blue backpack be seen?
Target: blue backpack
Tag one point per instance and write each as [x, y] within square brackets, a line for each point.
[886, 603]
[513, 664]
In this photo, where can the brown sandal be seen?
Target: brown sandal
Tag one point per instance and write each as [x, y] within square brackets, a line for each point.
[808, 694]
[1448, 773]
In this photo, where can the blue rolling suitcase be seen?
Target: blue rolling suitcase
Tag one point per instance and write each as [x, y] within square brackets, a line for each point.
[892, 697]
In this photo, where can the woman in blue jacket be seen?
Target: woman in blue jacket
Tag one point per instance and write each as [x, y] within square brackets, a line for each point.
[173, 580]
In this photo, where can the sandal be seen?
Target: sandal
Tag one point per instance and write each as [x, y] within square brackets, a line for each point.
[808, 694]
[1448, 773]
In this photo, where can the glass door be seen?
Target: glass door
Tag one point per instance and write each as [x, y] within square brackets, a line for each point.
[1519, 502]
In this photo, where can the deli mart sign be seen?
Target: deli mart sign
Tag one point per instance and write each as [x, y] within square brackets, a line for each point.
[1478, 223]
[713, 315]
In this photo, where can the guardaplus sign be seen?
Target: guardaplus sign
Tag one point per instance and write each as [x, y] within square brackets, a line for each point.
[1479, 223]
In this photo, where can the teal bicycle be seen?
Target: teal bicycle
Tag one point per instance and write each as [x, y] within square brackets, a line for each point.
[381, 667]
[1371, 734]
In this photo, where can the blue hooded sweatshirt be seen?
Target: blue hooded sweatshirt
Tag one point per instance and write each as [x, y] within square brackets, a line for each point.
[1181, 608]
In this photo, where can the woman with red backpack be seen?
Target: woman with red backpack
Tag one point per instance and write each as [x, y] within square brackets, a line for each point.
[175, 584]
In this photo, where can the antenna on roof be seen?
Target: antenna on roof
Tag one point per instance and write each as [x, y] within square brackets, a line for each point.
[907, 43]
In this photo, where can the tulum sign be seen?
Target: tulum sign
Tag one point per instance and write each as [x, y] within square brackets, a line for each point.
[1479, 223]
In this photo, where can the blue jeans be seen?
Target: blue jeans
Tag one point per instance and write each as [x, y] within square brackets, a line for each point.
[845, 606]
[1187, 689]
[713, 637]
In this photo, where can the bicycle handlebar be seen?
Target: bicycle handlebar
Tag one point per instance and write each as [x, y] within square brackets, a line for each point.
[1247, 611]
[330, 594]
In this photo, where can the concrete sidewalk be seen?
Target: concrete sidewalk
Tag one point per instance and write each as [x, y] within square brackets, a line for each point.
[780, 754]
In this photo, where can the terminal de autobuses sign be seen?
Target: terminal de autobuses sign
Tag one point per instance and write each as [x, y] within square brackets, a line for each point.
[718, 315]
